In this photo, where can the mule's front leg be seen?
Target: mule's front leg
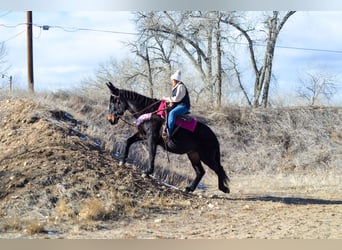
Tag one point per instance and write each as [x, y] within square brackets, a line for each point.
[134, 138]
[152, 149]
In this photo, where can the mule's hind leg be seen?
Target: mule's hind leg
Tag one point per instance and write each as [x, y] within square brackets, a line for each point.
[222, 179]
[221, 175]
[197, 165]
[212, 160]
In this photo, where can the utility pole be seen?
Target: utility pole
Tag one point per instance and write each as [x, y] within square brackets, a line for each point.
[10, 78]
[29, 51]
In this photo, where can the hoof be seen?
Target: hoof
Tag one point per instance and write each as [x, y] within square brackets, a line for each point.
[121, 163]
[225, 190]
[144, 175]
[188, 190]
[148, 172]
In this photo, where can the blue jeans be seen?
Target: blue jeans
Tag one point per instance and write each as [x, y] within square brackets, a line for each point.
[171, 119]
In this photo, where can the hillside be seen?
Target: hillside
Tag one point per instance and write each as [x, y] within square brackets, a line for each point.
[59, 180]
[47, 161]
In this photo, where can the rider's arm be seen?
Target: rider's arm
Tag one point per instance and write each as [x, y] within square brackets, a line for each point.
[180, 93]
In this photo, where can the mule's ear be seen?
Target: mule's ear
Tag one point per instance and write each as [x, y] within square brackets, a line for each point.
[114, 90]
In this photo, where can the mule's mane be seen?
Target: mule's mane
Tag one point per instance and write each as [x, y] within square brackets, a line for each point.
[140, 101]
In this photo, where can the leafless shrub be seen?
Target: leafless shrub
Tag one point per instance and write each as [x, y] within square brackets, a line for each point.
[34, 227]
[93, 209]
[316, 87]
[64, 210]
[11, 223]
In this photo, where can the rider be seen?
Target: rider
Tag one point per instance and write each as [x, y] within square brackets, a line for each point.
[179, 101]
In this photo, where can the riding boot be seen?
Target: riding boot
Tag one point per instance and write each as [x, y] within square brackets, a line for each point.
[165, 133]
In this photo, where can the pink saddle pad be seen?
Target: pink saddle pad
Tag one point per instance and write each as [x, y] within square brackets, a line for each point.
[188, 123]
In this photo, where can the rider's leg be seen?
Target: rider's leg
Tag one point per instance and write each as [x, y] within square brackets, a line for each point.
[178, 110]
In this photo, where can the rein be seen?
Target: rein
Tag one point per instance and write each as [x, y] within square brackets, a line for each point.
[127, 122]
[149, 106]
[141, 111]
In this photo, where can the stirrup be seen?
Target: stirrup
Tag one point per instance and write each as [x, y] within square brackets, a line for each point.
[165, 134]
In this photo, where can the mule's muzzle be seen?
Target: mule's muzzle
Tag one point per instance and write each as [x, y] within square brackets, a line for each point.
[112, 119]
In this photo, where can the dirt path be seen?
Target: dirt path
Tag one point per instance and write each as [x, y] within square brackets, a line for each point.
[238, 218]
[218, 218]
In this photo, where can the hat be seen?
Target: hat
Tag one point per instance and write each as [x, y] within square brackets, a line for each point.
[176, 76]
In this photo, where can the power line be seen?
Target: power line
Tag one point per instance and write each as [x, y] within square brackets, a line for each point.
[12, 37]
[12, 26]
[6, 13]
[77, 29]
[310, 49]
[69, 29]
[292, 47]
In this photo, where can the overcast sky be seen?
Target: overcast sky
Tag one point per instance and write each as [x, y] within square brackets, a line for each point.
[64, 55]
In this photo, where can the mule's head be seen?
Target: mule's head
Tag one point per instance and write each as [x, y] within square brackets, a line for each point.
[117, 106]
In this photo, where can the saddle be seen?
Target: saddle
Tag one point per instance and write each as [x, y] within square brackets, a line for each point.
[184, 121]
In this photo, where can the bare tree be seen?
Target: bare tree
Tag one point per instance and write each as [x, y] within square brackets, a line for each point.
[116, 71]
[234, 67]
[194, 33]
[3, 58]
[155, 52]
[205, 38]
[317, 86]
[262, 71]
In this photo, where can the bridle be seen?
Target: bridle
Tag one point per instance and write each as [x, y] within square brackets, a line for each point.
[120, 117]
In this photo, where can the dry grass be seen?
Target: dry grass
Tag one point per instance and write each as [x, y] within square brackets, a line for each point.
[274, 140]
[11, 223]
[67, 181]
[28, 226]
[64, 210]
[111, 207]
[93, 209]
[34, 227]
[264, 140]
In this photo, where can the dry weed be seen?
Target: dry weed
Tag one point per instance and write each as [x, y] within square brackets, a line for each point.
[34, 227]
[124, 204]
[93, 209]
[64, 210]
[12, 224]
[16, 223]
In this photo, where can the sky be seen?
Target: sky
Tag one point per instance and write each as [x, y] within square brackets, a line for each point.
[64, 54]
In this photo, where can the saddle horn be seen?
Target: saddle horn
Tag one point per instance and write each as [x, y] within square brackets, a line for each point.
[113, 89]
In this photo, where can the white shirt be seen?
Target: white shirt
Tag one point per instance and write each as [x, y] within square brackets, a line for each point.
[180, 93]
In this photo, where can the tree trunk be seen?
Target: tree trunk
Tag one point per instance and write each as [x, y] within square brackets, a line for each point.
[219, 62]
[263, 75]
[149, 69]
